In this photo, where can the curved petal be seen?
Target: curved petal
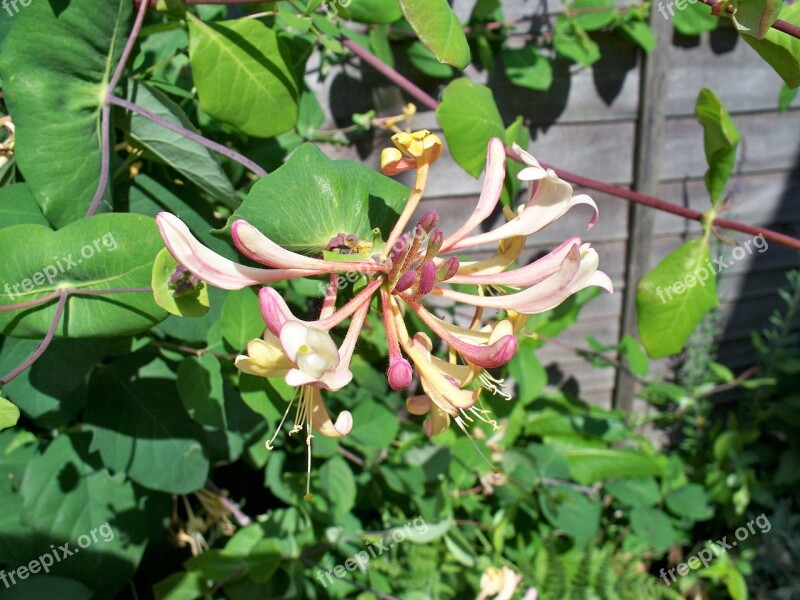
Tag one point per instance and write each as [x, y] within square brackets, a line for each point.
[490, 193]
[509, 251]
[209, 266]
[524, 276]
[533, 171]
[258, 247]
[438, 423]
[321, 420]
[551, 199]
[484, 355]
[293, 336]
[546, 295]
[418, 405]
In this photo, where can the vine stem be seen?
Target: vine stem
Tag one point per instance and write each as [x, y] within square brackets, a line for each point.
[224, 150]
[579, 180]
[62, 296]
[105, 114]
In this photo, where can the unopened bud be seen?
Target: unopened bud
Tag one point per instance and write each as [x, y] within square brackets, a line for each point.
[447, 269]
[405, 282]
[435, 242]
[428, 278]
[399, 247]
[429, 220]
[182, 282]
[399, 374]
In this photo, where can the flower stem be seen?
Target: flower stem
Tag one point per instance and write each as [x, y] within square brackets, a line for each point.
[411, 206]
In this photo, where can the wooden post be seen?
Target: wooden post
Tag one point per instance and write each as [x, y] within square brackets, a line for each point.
[647, 157]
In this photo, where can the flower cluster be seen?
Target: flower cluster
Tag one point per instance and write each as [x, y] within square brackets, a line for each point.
[411, 266]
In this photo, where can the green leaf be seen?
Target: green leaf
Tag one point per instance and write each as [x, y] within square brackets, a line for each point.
[691, 501]
[180, 586]
[572, 42]
[635, 491]
[310, 115]
[142, 429]
[55, 92]
[781, 50]
[380, 44]
[241, 318]
[438, 27]
[311, 199]
[470, 118]
[590, 16]
[634, 356]
[339, 486]
[526, 67]
[374, 425]
[108, 251]
[424, 60]
[785, 98]
[200, 389]
[194, 161]
[18, 206]
[569, 510]
[692, 20]
[673, 298]
[372, 12]
[639, 33]
[9, 414]
[191, 304]
[528, 373]
[588, 465]
[653, 527]
[240, 71]
[67, 494]
[721, 138]
[755, 17]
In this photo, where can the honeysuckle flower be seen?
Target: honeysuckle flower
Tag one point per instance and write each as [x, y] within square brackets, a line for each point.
[415, 263]
[498, 583]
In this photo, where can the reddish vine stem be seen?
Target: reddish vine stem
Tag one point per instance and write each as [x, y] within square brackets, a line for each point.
[224, 150]
[579, 180]
[780, 25]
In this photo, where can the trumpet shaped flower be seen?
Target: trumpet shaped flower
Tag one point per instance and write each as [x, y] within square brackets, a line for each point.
[417, 262]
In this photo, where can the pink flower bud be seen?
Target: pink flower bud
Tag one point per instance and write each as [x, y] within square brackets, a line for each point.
[428, 278]
[428, 221]
[405, 282]
[399, 374]
[434, 243]
[447, 269]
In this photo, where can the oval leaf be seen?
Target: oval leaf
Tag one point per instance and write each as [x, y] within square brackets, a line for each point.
[438, 27]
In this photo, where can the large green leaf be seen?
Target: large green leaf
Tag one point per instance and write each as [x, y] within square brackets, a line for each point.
[339, 486]
[242, 76]
[755, 17]
[588, 465]
[9, 414]
[108, 251]
[721, 138]
[142, 429]
[18, 206]
[55, 91]
[571, 41]
[781, 50]
[438, 27]
[526, 67]
[66, 495]
[673, 298]
[194, 161]
[469, 118]
[311, 199]
[571, 511]
[241, 318]
[692, 20]
[373, 12]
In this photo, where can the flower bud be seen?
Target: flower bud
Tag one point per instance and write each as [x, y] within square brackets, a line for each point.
[447, 269]
[182, 282]
[429, 220]
[435, 242]
[406, 281]
[428, 278]
[399, 374]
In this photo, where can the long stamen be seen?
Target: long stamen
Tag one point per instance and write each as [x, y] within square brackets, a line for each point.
[283, 419]
[460, 422]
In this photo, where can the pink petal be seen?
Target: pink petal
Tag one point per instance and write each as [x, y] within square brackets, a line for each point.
[210, 266]
[258, 247]
[490, 194]
[525, 276]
